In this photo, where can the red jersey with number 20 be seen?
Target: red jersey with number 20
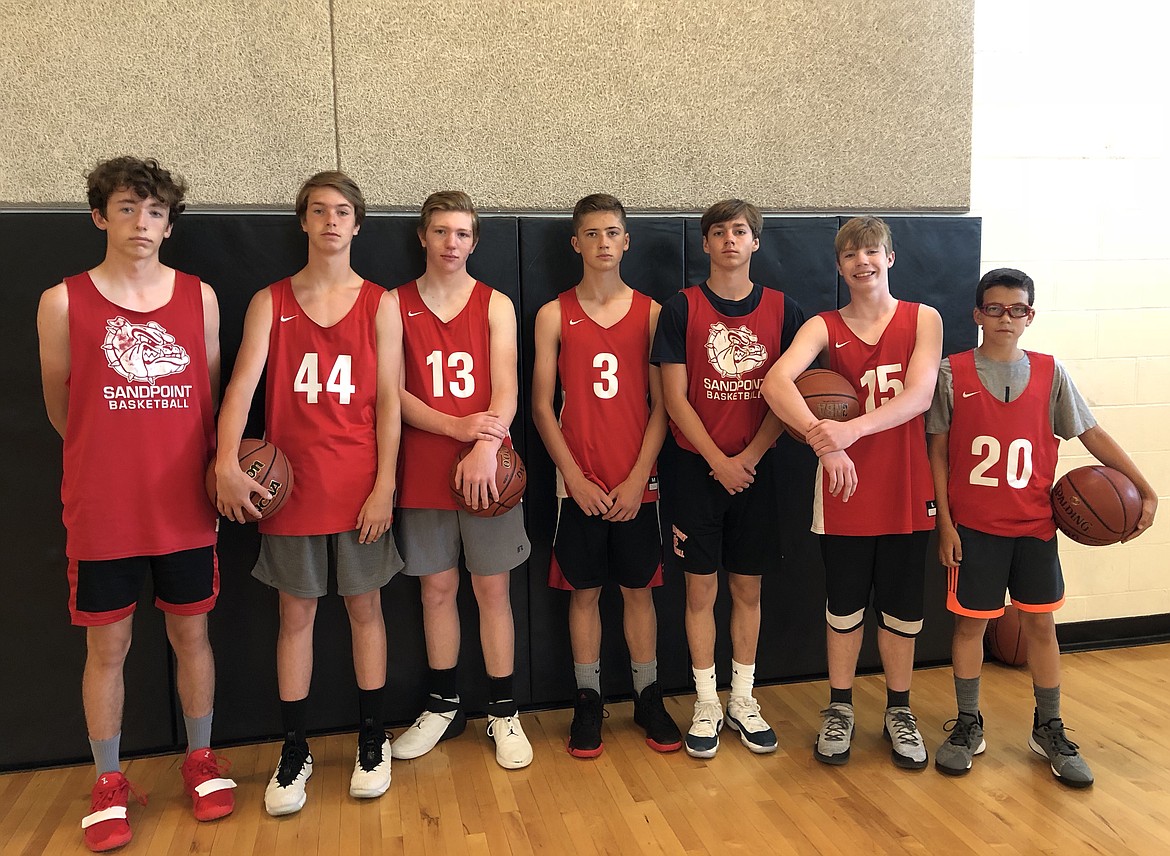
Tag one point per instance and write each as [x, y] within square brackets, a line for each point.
[320, 410]
[448, 368]
[605, 384]
[1002, 454]
[895, 491]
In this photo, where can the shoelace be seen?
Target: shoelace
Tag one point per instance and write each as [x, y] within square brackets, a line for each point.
[709, 713]
[371, 753]
[960, 730]
[116, 795]
[750, 708]
[906, 727]
[205, 768]
[509, 722]
[292, 761]
[1059, 739]
[836, 725]
[655, 711]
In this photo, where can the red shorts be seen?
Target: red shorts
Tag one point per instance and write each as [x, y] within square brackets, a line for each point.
[105, 592]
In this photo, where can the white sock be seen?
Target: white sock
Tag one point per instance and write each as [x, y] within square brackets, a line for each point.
[705, 684]
[743, 678]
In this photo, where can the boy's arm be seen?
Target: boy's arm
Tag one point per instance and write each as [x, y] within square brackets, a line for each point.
[1105, 449]
[914, 398]
[730, 473]
[378, 510]
[53, 333]
[627, 496]
[950, 548]
[590, 496]
[234, 489]
[211, 339]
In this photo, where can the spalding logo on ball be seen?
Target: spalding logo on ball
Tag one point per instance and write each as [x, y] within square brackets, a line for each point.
[511, 480]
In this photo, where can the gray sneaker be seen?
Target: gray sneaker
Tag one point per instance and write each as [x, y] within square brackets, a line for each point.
[832, 744]
[901, 729]
[1050, 741]
[966, 741]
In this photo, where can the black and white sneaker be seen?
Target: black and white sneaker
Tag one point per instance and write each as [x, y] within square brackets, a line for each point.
[285, 793]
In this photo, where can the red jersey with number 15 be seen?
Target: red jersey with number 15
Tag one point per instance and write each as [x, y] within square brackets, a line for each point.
[895, 491]
[605, 384]
[320, 410]
[448, 368]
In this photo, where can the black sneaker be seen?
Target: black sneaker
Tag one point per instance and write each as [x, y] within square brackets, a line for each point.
[662, 735]
[585, 730]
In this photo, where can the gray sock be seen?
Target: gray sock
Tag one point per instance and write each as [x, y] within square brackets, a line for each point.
[644, 674]
[967, 694]
[198, 732]
[105, 754]
[1047, 702]
[588, 676]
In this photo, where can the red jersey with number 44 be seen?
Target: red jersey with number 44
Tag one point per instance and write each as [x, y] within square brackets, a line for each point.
[1002, 454]
[448, 368]
[605, 384]
[895, 491]
[320, 410]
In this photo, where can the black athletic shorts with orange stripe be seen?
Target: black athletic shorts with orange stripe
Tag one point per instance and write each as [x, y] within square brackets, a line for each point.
[995, 565]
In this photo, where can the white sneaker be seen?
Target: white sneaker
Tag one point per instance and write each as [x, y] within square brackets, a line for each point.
[702, 739]
[371, 771]
[285, 793]
[513, 750]
[743, 715]
[428, 730]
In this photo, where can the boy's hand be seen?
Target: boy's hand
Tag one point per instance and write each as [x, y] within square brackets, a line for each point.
[627, 501]
[735, 474]
[485, 425]
[950, 546]
[376, 516]
[1149, 506]
[476, 476]
[233, 494]
[842, 474]
[828, 435]
[588, 494]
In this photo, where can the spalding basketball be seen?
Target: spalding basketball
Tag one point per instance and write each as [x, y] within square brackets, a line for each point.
[266, 464]
[1004, 639]
[511, 479]
[1096, 505]
[828, 395]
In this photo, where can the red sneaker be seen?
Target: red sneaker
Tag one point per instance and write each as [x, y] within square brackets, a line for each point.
[210, 793]
[106, 825]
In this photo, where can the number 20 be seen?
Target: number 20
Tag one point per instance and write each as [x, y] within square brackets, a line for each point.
[1019, 461]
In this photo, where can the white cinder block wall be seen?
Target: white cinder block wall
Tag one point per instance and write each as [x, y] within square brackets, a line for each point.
[1071, 174]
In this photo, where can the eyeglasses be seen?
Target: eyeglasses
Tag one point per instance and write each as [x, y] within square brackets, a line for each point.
[996, 310]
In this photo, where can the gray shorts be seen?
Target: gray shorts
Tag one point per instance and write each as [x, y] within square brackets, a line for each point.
[431, 540]
[300, 564]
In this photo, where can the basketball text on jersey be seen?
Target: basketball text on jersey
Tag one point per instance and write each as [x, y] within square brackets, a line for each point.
[143, 353]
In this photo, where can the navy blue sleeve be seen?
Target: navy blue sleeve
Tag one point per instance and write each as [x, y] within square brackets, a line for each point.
[670, 340]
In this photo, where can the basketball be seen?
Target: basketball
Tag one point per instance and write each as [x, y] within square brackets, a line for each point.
[828, 395]
[266, 464]
[1004, 639]
[1095, 505]
[511, 479]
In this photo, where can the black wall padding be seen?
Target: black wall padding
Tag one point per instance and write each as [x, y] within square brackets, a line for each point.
[528, 258]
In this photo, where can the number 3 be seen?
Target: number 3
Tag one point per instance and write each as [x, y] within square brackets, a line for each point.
[607, 387]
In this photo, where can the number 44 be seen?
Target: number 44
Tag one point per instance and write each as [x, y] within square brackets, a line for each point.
[340, 379]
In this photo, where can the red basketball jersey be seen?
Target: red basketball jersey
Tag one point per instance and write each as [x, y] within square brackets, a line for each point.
[141, 426]
[727, 359]
[605, 387]
[895, 492]
[320, 410]
[1002, 454]
[448, 368]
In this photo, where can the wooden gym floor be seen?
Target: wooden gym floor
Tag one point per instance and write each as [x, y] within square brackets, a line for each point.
[632, 800]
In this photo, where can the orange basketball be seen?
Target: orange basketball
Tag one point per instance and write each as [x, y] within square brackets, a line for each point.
[828, 395]
[511, 480]
[266, 464]
[1095, 505]
[1004, 639]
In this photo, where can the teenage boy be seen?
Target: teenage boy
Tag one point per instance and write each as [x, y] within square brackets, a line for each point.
[873, 504]
[597, 338]
[715, 342]
[994, 426]
[459, 387]
[332, 344]
[129, 362]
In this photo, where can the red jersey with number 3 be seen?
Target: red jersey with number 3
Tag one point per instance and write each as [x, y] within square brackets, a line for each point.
[895, 491]
[727, 358]
[320, 410]
[1002, 454]
[448, 368]
[605, 387]
[141, 426]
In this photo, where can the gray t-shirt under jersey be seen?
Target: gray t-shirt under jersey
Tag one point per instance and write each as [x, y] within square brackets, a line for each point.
[1071, 416]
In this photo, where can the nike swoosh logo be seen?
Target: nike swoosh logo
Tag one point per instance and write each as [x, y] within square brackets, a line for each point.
[284, 318]
[574, 323]
[412, 314]
[842, 344]
[969, 394]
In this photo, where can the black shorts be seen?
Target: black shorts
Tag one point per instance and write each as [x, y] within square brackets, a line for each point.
[105, 592]
[588, 552]
[707, 529]
[995, 564]
[892, 567]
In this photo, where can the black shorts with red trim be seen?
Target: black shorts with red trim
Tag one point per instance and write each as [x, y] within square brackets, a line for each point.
[994, 565]
[106, 591]
[891, 567]
[588, 551]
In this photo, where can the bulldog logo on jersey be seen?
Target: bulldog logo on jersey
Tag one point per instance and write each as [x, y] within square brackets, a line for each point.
[734, 352]
[142, 352]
